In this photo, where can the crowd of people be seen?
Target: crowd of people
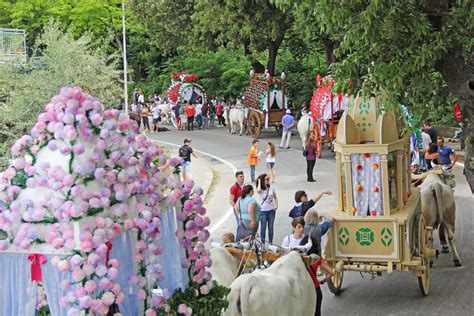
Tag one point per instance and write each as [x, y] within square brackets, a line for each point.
[186, 115]
[428, 150]
[256, 208]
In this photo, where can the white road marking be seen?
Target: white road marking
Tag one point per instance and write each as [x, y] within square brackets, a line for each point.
[234, 170]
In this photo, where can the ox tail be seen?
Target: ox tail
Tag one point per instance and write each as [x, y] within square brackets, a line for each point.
[245, 296]
[438, 191]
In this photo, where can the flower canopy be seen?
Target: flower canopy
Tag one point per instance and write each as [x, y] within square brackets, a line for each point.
[83, 177]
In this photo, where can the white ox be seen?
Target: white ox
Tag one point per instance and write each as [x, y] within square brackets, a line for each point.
[237, 115]
[285, 288]
[224, 266]
[165, 113]
[439, 209]
[305, 128]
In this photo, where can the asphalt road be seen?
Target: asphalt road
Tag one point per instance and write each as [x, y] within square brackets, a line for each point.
[452, 288]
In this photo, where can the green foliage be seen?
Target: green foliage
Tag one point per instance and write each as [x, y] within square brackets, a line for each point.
[395, 46]
[64, 62]
[257, 25]
[223, 72]
[210, 304]
[300, 74]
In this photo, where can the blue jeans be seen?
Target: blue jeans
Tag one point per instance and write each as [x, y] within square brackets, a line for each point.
[267, 217]
[237, 222]
[423, 164]
[252, 173]
[199, 120]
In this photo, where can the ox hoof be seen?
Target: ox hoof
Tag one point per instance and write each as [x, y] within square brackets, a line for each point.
[445, 249]
[457, 263]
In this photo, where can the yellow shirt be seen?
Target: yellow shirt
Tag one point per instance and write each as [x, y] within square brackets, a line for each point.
[252, 158]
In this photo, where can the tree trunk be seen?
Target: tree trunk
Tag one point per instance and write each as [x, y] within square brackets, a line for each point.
[329, 47]
[273, 47]
[257, 66]
[272, 55]
[459, 76]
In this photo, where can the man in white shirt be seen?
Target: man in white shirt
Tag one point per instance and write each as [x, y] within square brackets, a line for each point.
[425, 145]
[155, 113]
[199, 115]
[141, 97]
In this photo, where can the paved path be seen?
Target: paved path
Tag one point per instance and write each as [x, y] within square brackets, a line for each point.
[395, 294]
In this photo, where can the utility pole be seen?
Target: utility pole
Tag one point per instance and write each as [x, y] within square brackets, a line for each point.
[125, 66]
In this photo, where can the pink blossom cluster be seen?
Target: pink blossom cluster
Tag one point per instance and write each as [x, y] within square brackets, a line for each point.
[100, 147]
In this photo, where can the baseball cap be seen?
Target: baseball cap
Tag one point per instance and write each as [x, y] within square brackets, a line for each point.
[288, 112]
[187, 140]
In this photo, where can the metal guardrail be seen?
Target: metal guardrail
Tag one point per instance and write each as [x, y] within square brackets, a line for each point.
[12, 45]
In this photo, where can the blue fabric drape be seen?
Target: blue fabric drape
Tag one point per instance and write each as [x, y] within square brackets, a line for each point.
[122, 251]
[17, 292]
[175, 275]
[52, 279]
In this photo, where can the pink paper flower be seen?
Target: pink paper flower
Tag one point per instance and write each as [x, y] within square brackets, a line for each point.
[78, 275]
[108, 298]
[90, 286]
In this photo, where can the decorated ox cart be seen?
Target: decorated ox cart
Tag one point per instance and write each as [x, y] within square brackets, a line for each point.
[265, 98]
[326, 109]
[379, 226]
[184, 88]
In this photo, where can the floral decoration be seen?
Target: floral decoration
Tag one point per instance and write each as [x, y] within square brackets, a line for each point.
[376, 189]
[376, 166]
[359, 187]
[102, 170]
[359, 167]
[179, 82]
[366, 155]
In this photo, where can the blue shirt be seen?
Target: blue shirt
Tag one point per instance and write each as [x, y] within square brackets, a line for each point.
[244, 207]
[444, 154]
[287, 121]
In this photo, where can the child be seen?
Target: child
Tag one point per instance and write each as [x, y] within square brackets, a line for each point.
[303, 204]
[293, 240]
[228, 238]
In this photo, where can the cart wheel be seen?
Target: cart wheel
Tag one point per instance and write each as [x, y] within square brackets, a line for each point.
[424, 279]
[335, 283]
[254, 125]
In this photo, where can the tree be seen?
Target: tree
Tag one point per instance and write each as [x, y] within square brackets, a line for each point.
[64, 62]
[32, 15]
[406, 47]
[258, 26]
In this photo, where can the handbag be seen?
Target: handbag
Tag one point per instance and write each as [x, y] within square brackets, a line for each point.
[305, 152]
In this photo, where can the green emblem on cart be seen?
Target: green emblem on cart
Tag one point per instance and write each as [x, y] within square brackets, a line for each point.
[365, 236]
[364, 107]
[343, 236]
[386, 236]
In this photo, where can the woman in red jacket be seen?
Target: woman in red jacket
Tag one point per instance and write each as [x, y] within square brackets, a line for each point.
[190, 112]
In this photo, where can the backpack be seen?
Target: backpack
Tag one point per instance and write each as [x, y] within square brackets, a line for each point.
[296, 211]
[181, 110]
[183, 152]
